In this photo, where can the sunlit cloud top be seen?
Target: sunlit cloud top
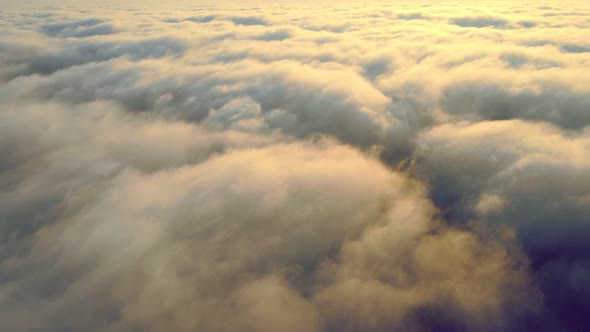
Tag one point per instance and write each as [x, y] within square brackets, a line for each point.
[294, 166]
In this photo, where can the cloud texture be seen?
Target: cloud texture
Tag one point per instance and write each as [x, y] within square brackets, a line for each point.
[295, 167]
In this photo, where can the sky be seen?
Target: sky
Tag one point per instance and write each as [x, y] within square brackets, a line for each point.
[350, 166]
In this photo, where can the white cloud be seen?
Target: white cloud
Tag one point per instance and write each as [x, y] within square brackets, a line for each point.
[294, 166]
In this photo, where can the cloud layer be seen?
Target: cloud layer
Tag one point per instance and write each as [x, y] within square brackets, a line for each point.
[294, 167]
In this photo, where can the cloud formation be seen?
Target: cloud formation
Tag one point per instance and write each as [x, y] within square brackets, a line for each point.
[294, 167]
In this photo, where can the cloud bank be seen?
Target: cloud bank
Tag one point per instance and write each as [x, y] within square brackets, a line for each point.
[294, 167]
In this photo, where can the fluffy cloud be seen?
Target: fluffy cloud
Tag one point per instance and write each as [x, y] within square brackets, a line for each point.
[251, 230]
[308, 167]
[533, 177]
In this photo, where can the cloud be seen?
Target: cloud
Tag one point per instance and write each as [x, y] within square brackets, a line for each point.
[276, 35]
[554, 105]
[527, 24]
[575, 48]
[222, 237]
[517, 61]
[89, 52]
[202, 19]
[412, 16]
[79, 29]
[247, 20]
[346, 107]
[378, 66]
[481, 22]
[508, 172]
[227, 168]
